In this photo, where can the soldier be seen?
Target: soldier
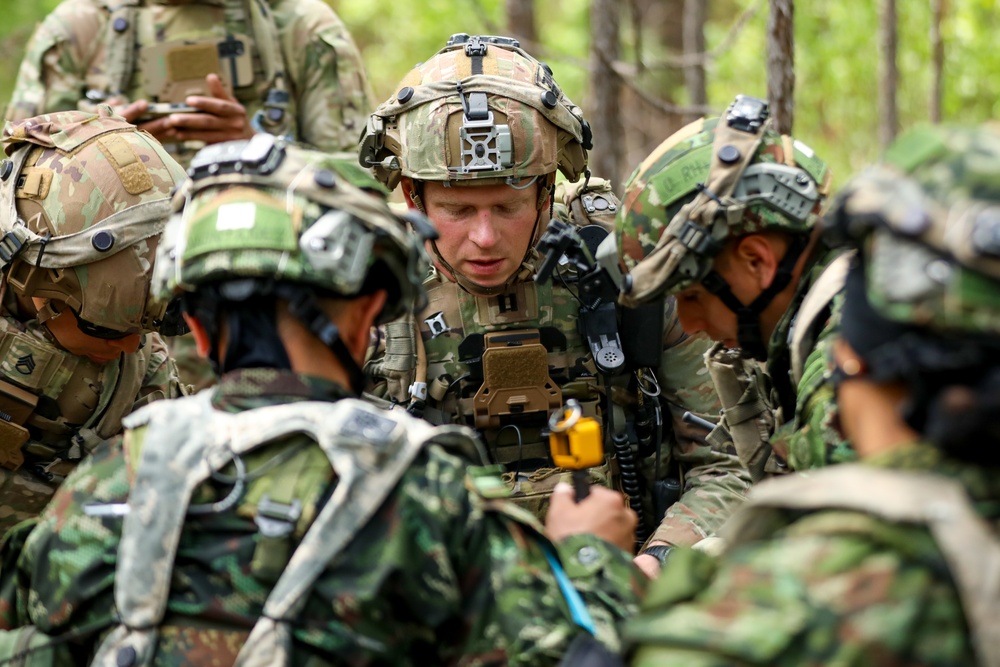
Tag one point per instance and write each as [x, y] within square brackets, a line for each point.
[891, 561]
[475, 136]
[723, 215]
[275, 519]
[192, 72]
[84, 198]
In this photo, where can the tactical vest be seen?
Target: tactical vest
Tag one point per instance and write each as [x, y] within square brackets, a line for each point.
[504, 363]
[183, 443]
[150, 49]
[970, 546]
[54, 409]
[752, 407]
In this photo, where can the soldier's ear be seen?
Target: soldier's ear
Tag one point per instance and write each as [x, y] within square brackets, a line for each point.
[201, 338]
[758, 259]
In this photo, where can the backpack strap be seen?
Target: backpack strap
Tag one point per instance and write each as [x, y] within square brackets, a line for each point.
[372, 453]
[815, 305]
[970, 546]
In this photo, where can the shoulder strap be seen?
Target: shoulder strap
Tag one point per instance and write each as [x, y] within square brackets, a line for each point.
[186, 441]
[366, 436]
[120, 37]
[970, 546]
[815, 304]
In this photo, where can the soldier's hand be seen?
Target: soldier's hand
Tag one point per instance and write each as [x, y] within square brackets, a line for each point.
[602, 513]
[131, 112]
[222, 118]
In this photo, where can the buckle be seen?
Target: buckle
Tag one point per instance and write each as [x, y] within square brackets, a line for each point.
[275, 519]
[11, 245]
[696, 238]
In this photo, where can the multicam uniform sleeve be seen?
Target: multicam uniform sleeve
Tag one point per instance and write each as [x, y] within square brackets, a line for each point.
[834, 588]
[330, 84]
[161, 379]
[714, 480]
[52, 74]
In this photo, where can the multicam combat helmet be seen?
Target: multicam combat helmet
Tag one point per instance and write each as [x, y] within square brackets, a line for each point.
[261, 209]
[479, 112]
[83, 199]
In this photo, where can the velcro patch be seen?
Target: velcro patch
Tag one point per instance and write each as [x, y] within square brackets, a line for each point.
[133, 173]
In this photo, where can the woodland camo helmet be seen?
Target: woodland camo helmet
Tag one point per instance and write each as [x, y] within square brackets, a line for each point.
[922, 301]
[716, 179]
[479, 112]
[260, 217]
[84, 198]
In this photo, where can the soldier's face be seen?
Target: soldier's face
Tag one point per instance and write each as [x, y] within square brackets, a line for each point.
[700, 310]
[66, 331]
[484, 230]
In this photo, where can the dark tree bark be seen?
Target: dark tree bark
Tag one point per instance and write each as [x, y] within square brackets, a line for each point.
[888, 75]
[781, 64]
[695, 15]
[937, 51]
[521, 22]
[605, 91]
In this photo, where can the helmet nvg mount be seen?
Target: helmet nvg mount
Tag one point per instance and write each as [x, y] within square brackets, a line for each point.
[259, 217]
[479, 112]
[713, 180]
[84, 198]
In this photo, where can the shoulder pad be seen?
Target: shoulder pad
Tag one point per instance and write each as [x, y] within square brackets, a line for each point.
[587, 202]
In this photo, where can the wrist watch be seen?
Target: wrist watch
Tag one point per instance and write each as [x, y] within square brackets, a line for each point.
[658, 551]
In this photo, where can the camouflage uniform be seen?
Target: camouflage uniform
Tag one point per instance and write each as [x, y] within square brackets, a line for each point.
[441, 574]
[291, 523]
[405, 138]
[776, 184]
[887, 561]
[67, 64]
[300, 50]
[74, 173]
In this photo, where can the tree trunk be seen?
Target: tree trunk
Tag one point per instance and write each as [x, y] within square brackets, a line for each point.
[521, 22]
[781, 64]
[889, 75]
[695, 15]
[937, 51]
[605, 91]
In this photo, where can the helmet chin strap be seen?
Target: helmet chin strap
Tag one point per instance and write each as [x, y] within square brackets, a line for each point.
[749, 333]
[303, 304]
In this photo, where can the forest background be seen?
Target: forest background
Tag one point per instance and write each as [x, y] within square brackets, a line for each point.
[945, 55]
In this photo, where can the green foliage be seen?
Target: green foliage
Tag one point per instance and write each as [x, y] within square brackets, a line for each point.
[837, 58]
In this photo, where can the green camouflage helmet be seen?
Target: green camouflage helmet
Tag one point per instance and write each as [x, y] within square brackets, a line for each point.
[84, 199]
[927, 224]
[702, 186]
[259, 208]
[482, 111]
